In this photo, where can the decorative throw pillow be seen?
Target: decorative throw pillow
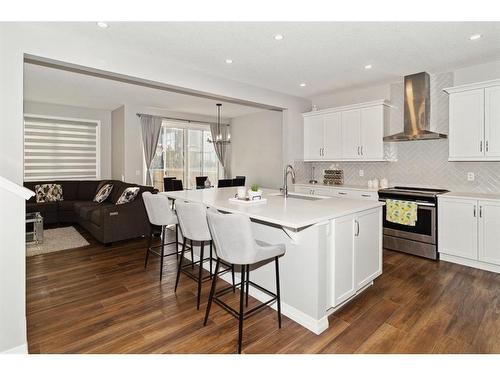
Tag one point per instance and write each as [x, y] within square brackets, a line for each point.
[103, 193]
[48, 193]
[128, 195]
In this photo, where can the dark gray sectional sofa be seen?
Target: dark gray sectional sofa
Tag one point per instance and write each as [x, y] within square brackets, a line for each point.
[106, 221]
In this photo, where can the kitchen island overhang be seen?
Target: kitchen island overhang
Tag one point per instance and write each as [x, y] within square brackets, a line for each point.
[334, 248]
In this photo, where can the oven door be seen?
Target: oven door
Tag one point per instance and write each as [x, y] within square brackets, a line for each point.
[424, 229]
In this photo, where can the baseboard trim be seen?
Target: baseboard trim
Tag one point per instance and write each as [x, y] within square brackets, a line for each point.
[470, 263]
[21, 349]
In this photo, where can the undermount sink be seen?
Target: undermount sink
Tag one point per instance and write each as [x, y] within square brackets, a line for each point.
[303, 197]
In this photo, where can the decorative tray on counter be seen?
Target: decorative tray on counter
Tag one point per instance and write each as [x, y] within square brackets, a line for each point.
[248, 201]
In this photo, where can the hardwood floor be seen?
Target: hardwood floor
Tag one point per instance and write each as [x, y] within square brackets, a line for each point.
[100, 299]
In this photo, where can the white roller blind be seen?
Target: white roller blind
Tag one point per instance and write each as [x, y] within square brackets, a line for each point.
[60, 149]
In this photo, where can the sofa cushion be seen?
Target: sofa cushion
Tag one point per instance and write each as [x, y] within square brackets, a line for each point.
[128, 195]
[103, 193]
[70, 189]
[82, 208]
[48, 193]
[42, 207]
[87, 190]
[118, 187]
[68, 205]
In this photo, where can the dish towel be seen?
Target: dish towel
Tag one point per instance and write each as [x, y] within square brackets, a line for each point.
[401, 212]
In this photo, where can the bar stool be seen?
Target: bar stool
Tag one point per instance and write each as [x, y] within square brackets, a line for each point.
[235, 244]
[192, 219]
[160, 214]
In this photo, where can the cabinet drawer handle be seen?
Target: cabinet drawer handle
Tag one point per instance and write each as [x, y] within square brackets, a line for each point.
[487, 146]
[361, 150]
[480, 211]
[358, 150]
[480, 146]
[342, 193]
[474, 210]
[357, 228]
[365, 195]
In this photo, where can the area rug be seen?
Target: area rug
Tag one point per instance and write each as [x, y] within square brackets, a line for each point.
[57, 239]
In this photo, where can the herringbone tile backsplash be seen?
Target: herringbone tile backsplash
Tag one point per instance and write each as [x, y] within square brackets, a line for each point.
[419, 163]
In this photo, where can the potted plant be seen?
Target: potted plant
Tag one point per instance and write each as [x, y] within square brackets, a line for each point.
[254, 192]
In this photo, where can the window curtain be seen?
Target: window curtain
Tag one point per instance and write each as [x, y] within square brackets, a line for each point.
[222, 150]
[150, 126]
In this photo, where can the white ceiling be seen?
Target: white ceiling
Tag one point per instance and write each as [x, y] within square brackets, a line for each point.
[49, 85]
[326, 55]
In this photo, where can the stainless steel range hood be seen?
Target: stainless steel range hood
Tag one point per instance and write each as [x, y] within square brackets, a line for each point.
[417, 111]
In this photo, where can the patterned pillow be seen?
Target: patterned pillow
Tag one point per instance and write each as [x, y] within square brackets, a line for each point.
[128, 195]
[48, 193]
[103, 193]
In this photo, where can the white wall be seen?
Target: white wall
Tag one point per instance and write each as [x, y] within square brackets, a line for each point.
[46, 40]
[104, 116]
[256, 143]
[477, 73]
[355, 95]
[118, 143]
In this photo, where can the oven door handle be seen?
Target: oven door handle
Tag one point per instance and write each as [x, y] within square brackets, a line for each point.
[419, 203]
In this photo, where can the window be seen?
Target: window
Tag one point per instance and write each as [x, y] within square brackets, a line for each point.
[59, 149]
[184, 152]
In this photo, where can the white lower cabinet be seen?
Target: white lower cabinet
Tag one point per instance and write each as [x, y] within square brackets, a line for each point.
[357, 259]
[468, 232]
[489, 232]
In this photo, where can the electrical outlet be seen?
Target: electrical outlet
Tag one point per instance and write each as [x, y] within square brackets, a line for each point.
[361, 173]
[470, 176]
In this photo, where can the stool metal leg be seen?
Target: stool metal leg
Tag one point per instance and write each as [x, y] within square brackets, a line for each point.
[192, 256]
[211, 256]
[248, 285]
[232, 274]
[150, 241]
[163, 233]
[180, 264]
[202, 245]
[242, 295]
[177, 240]
[212, 292]
[278, 296]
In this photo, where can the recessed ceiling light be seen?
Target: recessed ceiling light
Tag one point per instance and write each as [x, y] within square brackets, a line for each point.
[102, 25]
[229, 61]
[475, 37]
[303, 84]
[278, 37]
[369, 66]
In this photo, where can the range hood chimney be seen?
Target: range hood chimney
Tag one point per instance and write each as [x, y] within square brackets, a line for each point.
[417, 110]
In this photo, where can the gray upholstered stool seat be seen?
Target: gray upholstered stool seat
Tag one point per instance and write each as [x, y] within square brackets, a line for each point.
[235, 244]
[160, 214]
[192, 219]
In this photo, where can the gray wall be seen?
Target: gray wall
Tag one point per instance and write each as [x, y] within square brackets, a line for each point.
[118, 143]
[256, 143]
[104, 116]
[419, 163]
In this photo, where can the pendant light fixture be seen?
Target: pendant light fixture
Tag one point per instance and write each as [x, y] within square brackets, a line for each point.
[219, 138]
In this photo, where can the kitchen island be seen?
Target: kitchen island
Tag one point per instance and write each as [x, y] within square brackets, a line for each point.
[333, 248]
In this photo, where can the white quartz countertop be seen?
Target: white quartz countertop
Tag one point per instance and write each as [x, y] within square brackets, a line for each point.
[343, 186]
[484, 196]
[290, 213]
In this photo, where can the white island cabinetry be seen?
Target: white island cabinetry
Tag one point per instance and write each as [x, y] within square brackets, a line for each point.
[333, 248]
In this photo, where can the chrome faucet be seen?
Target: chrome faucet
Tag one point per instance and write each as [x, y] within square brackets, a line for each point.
[288, 170]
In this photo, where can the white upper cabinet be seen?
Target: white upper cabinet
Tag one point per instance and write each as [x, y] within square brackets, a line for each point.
[332, 136]
[492, 122]
[349, 133]
[474, 122]
[313, 138]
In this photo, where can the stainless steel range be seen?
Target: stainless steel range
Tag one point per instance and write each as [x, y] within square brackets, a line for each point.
[420, 239]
